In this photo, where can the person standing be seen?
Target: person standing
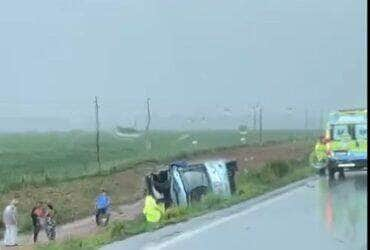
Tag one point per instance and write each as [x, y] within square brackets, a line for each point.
[10, 221]
[38, 215]
[50, 222]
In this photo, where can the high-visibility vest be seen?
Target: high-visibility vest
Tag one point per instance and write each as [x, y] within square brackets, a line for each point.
[153, 211]
[320, 150]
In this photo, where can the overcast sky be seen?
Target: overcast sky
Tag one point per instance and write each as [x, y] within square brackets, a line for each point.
[193, 58]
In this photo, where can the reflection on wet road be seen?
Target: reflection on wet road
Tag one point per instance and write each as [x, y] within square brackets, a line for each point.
[345, 211]
[314, 216]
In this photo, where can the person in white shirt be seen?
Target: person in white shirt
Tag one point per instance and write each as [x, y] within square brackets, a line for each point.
[10, 221]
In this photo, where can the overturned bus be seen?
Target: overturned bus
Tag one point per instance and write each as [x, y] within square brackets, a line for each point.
[183, 183]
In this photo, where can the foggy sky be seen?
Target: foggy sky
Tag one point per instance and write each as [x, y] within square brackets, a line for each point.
[193, 58]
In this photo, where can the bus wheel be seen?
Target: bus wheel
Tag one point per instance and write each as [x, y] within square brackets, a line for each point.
[341, 174]
[331, 174]
[321, 172]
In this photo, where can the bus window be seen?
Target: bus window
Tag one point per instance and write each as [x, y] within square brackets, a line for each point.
[361, 131]
[340, 131]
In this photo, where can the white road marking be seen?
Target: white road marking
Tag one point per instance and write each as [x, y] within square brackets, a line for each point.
[190, 234]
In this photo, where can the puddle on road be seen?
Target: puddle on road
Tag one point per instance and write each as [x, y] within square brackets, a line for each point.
[343, 208]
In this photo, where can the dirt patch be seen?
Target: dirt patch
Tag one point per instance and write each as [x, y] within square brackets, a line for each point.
[75, 199]
[252, 157]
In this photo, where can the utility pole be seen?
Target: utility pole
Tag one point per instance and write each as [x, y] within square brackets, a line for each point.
[321, 121]
[260, 125]
[97, 132]
[306, 123]
[290, 117]
[147, 141]
[306, 119]
[254, 108]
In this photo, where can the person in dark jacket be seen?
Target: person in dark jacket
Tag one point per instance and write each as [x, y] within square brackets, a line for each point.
[38, 215]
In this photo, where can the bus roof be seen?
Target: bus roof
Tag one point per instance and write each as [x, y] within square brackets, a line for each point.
[352, 111]
[348, 117]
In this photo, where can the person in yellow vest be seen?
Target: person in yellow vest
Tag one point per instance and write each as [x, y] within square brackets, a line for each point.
[320, 149]
[153, 211]
[319, 155]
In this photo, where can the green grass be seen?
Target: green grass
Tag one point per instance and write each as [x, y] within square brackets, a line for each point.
[34, 158]
[249, 185]
[73, 195]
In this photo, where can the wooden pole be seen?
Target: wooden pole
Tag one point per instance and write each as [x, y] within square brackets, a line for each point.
[97, 132]
[260, 125]
[254, 118]
[147, 140]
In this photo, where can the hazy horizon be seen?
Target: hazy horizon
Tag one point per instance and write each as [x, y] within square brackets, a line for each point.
[202, 63]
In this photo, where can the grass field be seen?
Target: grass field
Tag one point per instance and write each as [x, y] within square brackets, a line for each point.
[61, 167]
[34, 158]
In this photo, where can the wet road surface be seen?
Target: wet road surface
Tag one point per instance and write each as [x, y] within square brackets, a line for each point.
[308, 215]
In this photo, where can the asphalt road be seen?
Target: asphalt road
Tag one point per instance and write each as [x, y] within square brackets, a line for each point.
[306, 215]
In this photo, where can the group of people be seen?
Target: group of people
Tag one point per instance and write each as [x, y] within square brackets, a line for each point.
[43, 218]
[42, 215]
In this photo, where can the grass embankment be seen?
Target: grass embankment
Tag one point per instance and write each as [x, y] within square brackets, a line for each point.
[249, 184]
[61, 167]
[73, 199]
